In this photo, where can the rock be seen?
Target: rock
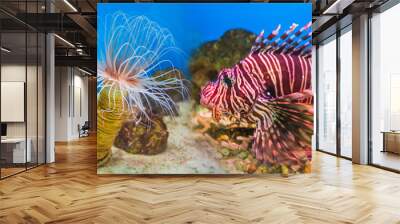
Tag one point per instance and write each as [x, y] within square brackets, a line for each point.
[145, 137]
[212, 56]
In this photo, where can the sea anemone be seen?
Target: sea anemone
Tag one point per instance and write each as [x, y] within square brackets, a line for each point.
[134, 49]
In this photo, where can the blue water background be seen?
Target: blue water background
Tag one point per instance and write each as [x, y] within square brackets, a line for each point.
[193, 24]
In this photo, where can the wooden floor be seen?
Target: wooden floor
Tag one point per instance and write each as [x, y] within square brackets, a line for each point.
[387, 159]
[5, 172]
[69, 191]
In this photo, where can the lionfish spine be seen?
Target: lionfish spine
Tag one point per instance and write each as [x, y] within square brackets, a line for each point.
[287, 43]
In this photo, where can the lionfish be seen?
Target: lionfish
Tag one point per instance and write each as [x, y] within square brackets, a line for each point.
[134, 49]
[270, 87]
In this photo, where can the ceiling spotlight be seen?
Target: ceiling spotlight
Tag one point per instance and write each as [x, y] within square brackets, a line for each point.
[79, 51]
[5, 50]
[65, 41]
[70, 5]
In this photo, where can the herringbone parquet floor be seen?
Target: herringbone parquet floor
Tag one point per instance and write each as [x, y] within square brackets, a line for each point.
[69, 191]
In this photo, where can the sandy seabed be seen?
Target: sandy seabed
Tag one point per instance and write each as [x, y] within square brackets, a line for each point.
[188, 152]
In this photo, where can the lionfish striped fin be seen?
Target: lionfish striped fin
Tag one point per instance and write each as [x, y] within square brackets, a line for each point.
[284, 131]
[290, 42]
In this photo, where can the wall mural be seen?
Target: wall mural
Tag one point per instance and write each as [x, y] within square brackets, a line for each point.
[204, 88]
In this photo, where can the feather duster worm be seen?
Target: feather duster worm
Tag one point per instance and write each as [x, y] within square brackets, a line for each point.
[128, 84]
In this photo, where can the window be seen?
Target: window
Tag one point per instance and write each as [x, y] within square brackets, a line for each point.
[327, 96]
[385, 89]
[346, 92]
[22, 101]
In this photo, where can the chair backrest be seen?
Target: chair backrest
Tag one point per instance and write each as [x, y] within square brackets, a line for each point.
[86, 125]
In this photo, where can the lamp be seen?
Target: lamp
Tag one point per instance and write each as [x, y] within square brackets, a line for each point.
[64, 40]
[84, 71]
[5, 50]
[70, 5]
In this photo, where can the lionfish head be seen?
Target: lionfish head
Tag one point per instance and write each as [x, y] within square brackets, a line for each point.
[224, 97]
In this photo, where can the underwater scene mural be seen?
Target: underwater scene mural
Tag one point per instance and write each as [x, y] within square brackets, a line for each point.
[196, 88]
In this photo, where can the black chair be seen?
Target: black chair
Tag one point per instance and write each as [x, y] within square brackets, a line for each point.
[84, 130]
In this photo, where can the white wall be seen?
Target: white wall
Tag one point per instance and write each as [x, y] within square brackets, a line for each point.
[61, 103]
[80, 110]
[12, 73]
[71, 102]
[34, 125]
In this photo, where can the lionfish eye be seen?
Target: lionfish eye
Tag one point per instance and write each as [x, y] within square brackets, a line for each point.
[228, 81]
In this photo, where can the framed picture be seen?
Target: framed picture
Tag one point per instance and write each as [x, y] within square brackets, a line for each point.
[204, 88]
